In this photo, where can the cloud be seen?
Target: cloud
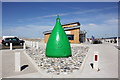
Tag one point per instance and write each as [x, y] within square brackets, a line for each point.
[97, 25]
[69, 13]
[92, 24]
[54, 15]
[111, 21]
[48, 16]
[30, 31]
[89, 11]
[101, 30]
[35, 31]
[81, 12]
[100, 26]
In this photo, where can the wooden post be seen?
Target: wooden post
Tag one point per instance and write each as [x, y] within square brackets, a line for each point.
[17, 62]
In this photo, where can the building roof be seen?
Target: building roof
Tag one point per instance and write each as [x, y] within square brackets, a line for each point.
[66, 28]
[74, 23]
[111, 38]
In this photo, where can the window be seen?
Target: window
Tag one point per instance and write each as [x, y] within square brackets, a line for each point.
[7, 38]
[66, 27]
[70, 37]
[15, 39]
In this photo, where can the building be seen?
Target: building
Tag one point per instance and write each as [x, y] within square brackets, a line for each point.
[74, 34]
[111, 39]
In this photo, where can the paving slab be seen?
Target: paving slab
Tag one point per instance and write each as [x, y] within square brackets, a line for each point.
[0, 64]
[8, 63]
[108, 64]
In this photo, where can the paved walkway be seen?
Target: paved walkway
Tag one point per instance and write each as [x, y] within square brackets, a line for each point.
[0, 64]
[119, 64]
[8, 62]
[108, 64]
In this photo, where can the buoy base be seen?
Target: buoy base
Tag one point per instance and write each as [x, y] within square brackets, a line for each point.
[58, 56]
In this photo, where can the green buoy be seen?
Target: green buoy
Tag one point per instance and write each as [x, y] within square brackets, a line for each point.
[58, 44]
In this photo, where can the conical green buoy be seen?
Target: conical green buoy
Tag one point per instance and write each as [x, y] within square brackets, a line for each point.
[58, 44]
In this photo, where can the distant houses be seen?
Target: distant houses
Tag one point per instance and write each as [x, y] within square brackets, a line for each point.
[106, 40]
[111, 39]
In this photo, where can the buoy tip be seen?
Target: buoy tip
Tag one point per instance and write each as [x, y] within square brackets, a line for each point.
[58, 18]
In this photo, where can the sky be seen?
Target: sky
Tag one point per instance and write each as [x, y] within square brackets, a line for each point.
[31, 19]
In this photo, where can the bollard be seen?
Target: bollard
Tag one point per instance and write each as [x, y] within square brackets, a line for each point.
[117, 41]
[17, 61]
[24, 46]
[10, 46]
[96, 60]
[31, 43]
[37, 45]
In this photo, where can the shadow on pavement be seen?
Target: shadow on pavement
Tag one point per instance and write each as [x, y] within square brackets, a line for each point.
[23, 67]
[8, 47]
